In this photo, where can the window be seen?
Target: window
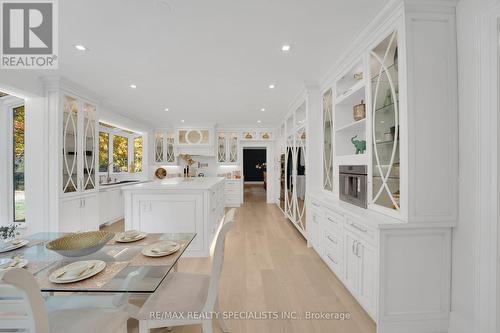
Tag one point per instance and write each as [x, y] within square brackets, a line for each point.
[120, 153]
[18, 164]
[103, 151]
[137, 166]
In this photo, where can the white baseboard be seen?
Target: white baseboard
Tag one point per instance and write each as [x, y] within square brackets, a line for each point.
[460, 324]
[259, 182]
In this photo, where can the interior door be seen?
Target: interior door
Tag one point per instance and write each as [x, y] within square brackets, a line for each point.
[351, 262]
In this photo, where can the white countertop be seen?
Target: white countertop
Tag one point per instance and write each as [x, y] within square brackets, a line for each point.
[103, 188]
[200, 183]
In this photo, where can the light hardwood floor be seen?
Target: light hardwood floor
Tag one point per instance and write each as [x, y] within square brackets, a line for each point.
[268, 267]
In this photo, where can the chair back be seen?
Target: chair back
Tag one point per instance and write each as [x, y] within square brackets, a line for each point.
[218, 260]
[21, 304]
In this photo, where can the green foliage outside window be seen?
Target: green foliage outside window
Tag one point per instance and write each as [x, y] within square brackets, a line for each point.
[137, 166]
[18, 167]
[103, 151]
[120, 153]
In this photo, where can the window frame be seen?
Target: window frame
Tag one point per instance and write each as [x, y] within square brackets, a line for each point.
[9, 105]
[130, 153]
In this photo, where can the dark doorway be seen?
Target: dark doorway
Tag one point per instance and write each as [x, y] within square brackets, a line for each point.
[254, 164]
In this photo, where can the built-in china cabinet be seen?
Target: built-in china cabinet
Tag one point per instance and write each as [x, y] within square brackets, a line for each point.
[73, 142]
[293, 164]
[389, 108]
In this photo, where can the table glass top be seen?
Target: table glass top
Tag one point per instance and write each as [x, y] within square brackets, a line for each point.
[127, 269]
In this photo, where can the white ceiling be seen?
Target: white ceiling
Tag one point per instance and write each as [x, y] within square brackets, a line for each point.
[206, 60]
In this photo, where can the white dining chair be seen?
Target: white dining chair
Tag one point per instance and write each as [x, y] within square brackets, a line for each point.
[188, 293]
[22, 309]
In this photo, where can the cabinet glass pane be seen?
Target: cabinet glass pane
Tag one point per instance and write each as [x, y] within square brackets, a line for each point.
[327, 141]
[385, 126]
[233, 148]
[159, 148]
[70, 145]
[300, 182]
[221, 148]
[289, 179]
[89, 142]
[170, 148]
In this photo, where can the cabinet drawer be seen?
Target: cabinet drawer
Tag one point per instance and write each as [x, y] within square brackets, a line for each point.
[334, 220]
[361, 229]
[232, 191]
[333, 261]
[332, 242]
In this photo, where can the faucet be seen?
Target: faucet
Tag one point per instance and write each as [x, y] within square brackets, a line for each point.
[108, 178]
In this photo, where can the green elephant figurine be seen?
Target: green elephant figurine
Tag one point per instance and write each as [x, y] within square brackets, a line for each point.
[360, 145]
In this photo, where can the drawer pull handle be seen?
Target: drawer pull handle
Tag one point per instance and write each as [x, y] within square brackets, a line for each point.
[315, 205]
[332, 220]
[330, 257]
[359, 227]
[331, 240]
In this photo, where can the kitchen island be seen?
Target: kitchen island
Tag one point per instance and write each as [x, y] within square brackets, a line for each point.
[177, 205]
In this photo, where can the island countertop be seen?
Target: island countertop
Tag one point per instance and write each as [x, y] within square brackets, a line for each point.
[200, 183]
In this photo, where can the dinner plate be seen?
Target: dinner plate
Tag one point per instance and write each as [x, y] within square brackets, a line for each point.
[21, 243]
[121, 238]
[77, 271]
[6, 263]
[161, 249]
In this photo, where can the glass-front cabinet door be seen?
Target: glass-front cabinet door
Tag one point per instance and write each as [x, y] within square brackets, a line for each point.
[221, 148]
[70, 181]
[328, 140]
[170, 147]
[159, 152]
[300, 179]
[385, 124]
[79, 141]
[233, 148]
[89, 146]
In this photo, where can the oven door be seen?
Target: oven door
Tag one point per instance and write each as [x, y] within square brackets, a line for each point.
[353, 189]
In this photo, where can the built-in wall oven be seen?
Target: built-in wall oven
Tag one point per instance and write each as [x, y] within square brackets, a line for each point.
[353, 184]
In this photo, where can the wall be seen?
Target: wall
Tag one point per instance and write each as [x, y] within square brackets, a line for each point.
[469, 308]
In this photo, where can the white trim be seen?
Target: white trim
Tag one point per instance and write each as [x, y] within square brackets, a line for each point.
[9, 105]
[487, 254]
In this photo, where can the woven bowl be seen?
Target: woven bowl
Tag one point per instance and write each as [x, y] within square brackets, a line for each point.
[80, 244]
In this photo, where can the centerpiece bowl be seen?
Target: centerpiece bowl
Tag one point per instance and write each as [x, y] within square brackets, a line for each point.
[80, 244]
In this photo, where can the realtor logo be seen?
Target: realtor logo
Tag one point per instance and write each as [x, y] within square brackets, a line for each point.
[29, 34]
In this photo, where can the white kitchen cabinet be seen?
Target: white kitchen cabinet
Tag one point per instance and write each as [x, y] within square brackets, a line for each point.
[233, 192]
[111, 205]
[195, 141]
[79, 214]
[351, 262]
[367, 276]
[164, 147]
[227, 148]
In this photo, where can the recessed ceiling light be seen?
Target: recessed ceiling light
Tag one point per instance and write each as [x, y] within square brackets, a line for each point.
[182, 120]
[133, 86]
[285, 47]
[272, 86]
[263, 109]
[80, 47]
[167, 109]
[259, 121]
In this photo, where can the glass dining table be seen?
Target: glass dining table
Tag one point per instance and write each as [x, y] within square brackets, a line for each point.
[127, 269]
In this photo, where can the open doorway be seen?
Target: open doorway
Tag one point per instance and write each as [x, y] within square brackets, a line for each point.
[255, 174]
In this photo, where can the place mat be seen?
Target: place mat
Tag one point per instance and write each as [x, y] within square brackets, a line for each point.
[142, 260]
[93, 283]
[149, 239]
[36, 266]
[32, 242]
